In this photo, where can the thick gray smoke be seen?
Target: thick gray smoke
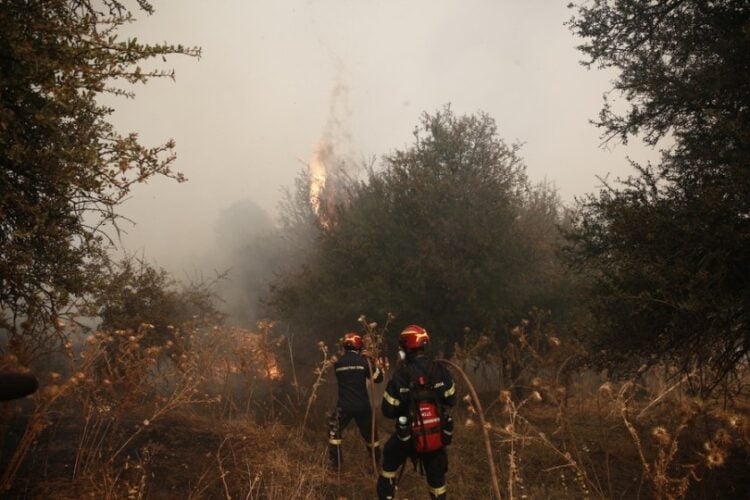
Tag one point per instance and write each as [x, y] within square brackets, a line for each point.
[245, 255]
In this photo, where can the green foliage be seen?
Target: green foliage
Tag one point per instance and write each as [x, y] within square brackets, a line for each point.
[449, 233]
[63, 167]
[134, 293]
[667, 249]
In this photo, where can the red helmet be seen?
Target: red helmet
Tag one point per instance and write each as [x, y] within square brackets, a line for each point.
[353, 340]
[413, 337]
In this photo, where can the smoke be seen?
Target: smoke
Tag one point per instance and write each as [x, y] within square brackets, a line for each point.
[245, 252]
[250, 247]
[336, 133]
[333, 159]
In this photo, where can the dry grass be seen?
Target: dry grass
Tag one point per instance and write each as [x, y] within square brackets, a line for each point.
[196, 418]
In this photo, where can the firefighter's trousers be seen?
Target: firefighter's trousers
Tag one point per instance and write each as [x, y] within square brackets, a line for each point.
[396, 452]
[337, 425]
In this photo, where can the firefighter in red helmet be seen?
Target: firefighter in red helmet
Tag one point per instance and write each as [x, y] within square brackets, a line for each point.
[352, 371]
[418, 397]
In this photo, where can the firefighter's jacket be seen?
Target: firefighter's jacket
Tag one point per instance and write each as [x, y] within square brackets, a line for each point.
[352, 371]
[396, 395]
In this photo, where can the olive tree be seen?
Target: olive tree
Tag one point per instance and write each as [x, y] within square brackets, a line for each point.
[666, 250]
[64, 168]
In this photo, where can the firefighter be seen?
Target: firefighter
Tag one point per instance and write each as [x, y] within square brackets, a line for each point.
[418, 396]
[352, 371]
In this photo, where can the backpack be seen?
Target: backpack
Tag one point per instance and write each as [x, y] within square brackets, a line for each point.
[424, 414]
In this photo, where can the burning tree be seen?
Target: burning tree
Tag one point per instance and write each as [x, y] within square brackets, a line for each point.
[440, 235]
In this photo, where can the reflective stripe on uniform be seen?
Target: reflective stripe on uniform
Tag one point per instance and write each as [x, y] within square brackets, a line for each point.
[439, 491]
[335, 442]
[388, 474]
[376, 373]
[450, 392]
[393, 401]
[346, 368]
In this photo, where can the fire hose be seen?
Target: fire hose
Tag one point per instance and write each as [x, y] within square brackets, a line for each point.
[482, 422]
[372, 420]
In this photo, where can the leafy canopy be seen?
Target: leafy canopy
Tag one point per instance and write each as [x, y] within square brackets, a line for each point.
[63, 167]
[438, 236]
[667, 249]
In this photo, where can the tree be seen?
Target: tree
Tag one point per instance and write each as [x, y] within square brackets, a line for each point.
[133, 293]
[667, 249]
[434, 237]
[64, 169]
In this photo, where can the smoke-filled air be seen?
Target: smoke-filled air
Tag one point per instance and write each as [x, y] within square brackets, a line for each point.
[321, 249]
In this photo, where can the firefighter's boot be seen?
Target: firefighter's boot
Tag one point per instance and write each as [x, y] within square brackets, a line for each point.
[386, 485]
[438, 493]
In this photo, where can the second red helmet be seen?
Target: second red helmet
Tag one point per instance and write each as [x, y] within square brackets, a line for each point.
[353, 341]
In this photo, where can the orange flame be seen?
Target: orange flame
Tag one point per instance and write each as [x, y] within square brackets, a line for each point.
[274, 372]
[250, 357]
[318, 176]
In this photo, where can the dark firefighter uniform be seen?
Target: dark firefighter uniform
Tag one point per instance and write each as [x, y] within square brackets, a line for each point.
[352, 371]
[396, 404]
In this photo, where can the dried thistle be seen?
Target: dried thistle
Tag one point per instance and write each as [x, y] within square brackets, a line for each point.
[325, 364]
[661, 436]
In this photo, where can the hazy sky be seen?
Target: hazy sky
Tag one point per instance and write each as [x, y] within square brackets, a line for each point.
[259, 99]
